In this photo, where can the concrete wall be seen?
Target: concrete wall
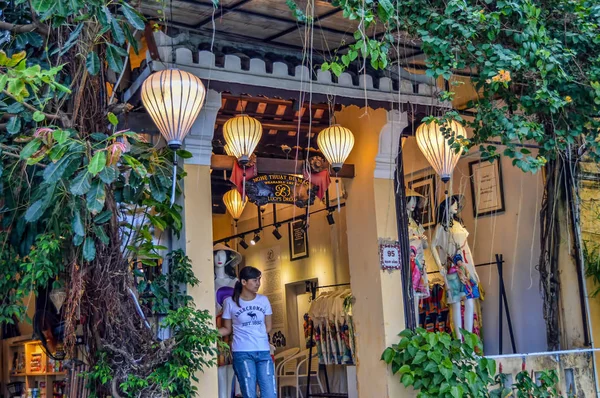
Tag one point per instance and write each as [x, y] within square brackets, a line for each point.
[513, 233]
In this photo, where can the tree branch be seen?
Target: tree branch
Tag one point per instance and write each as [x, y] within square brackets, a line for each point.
[60, 116]
[30, 27]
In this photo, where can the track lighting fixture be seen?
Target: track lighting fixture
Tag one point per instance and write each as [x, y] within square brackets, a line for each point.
[243, 243]
[255, 239]
[276, 233]
[330, 218]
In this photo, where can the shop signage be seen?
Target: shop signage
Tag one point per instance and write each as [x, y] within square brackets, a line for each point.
[389, 255]
[280, 188]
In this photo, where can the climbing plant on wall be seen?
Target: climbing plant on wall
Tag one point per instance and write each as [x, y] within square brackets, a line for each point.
[535, 67]
[82, 202]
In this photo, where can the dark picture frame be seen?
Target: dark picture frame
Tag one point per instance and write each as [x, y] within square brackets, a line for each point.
[298, 240]
[486, 179]
[426, 186]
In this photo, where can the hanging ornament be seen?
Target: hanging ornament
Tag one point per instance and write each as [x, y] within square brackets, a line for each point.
[336, 142]
[242, 134]
[234, 203]
[58, 297]
[173, 99]
[435, 147]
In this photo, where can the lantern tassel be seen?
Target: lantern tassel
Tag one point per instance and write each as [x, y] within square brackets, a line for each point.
[174, 178]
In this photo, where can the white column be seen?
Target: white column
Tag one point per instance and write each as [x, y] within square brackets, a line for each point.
[389, 144]
[199, 140]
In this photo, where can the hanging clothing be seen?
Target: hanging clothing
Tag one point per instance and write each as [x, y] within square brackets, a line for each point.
[461, 277]
[333, 332]
[417, 238]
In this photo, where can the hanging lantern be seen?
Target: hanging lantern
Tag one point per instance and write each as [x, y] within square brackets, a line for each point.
[336, 142]
[58, 297]
[173, 99]
[435, 147]
[228, 151]
[234, 203]
[242, 133]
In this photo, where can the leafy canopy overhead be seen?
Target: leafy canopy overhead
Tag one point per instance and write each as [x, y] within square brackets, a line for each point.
[535, 66]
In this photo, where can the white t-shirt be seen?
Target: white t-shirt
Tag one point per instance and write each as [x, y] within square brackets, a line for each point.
[248, 320]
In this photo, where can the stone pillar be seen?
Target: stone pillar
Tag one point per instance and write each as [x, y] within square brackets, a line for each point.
[197, 237]
[371, 214]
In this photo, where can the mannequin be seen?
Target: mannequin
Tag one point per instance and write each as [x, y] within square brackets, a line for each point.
[225, 261]
[418, 244]
[454, 259]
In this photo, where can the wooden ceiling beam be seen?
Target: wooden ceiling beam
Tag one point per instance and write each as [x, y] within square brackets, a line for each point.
[290, 30]
[224, 10]
[283, 126]
[275, 101]
[273, 166]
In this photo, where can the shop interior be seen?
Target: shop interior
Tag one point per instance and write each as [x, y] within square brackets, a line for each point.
[298, 247]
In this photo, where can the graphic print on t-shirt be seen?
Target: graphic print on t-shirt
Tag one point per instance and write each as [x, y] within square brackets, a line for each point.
[248, 321]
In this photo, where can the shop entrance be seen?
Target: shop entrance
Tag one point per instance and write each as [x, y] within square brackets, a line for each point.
[293, 229]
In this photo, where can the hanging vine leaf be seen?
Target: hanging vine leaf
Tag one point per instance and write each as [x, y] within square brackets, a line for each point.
[108, 174]
[81, 184]
[30, 148]
[114, 58]
[71, 40]
[97, 163]
[134, 18]
[35, 211]
[89, 249]
[96, 197]
[55, 171]
[158, 190]
[14, 125]
[93, 63]
[103, 217]
[77, 224]
[117, 31]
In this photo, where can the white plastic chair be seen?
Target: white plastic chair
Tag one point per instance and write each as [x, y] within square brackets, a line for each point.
[290, 373]
[282, 356]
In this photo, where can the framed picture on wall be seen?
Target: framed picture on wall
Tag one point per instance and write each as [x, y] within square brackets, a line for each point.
[426, 187]
[487, 189]
[298, 240]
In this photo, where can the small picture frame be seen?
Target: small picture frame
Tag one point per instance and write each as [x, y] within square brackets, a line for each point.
[298, 240]
[487, 188]
[426, 187]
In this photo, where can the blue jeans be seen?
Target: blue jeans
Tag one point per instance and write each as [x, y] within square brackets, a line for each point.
[253, 367]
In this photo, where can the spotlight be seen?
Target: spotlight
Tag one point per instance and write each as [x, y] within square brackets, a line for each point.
[243, 243]
[255, 239]
[330, 219]
[276, 233]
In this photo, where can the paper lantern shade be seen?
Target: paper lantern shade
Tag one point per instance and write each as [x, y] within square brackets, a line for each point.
[336, 143]
[173, 99]
[234, 203]
[436, 149]
[242, 134]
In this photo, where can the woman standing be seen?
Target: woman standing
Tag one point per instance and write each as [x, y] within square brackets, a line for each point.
[250, 315]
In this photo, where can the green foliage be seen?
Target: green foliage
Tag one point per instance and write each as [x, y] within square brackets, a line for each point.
[536, 66]
[436, 365]
[83, 201]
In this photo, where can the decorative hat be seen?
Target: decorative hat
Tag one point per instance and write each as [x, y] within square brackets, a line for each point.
[408, 192]
[236, 257]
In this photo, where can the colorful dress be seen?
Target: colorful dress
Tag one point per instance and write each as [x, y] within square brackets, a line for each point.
[461, 277]
[416, 236]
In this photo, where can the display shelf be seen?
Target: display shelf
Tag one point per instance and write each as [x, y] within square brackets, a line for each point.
[26, 361]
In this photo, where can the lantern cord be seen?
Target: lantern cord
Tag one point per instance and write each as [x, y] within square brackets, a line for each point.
[337, 191]
[174, 178]
[244, 186]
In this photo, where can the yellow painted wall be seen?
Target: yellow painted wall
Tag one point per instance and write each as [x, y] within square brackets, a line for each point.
[590, 230]
[198, 246]
[368, 216]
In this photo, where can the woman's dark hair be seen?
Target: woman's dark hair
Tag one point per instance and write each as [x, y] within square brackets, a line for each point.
[245, 274]
[229, 268]
[443, 213]
[417, 213]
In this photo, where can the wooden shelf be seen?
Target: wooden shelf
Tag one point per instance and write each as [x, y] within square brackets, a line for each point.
[38, 374]
[18, 374]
